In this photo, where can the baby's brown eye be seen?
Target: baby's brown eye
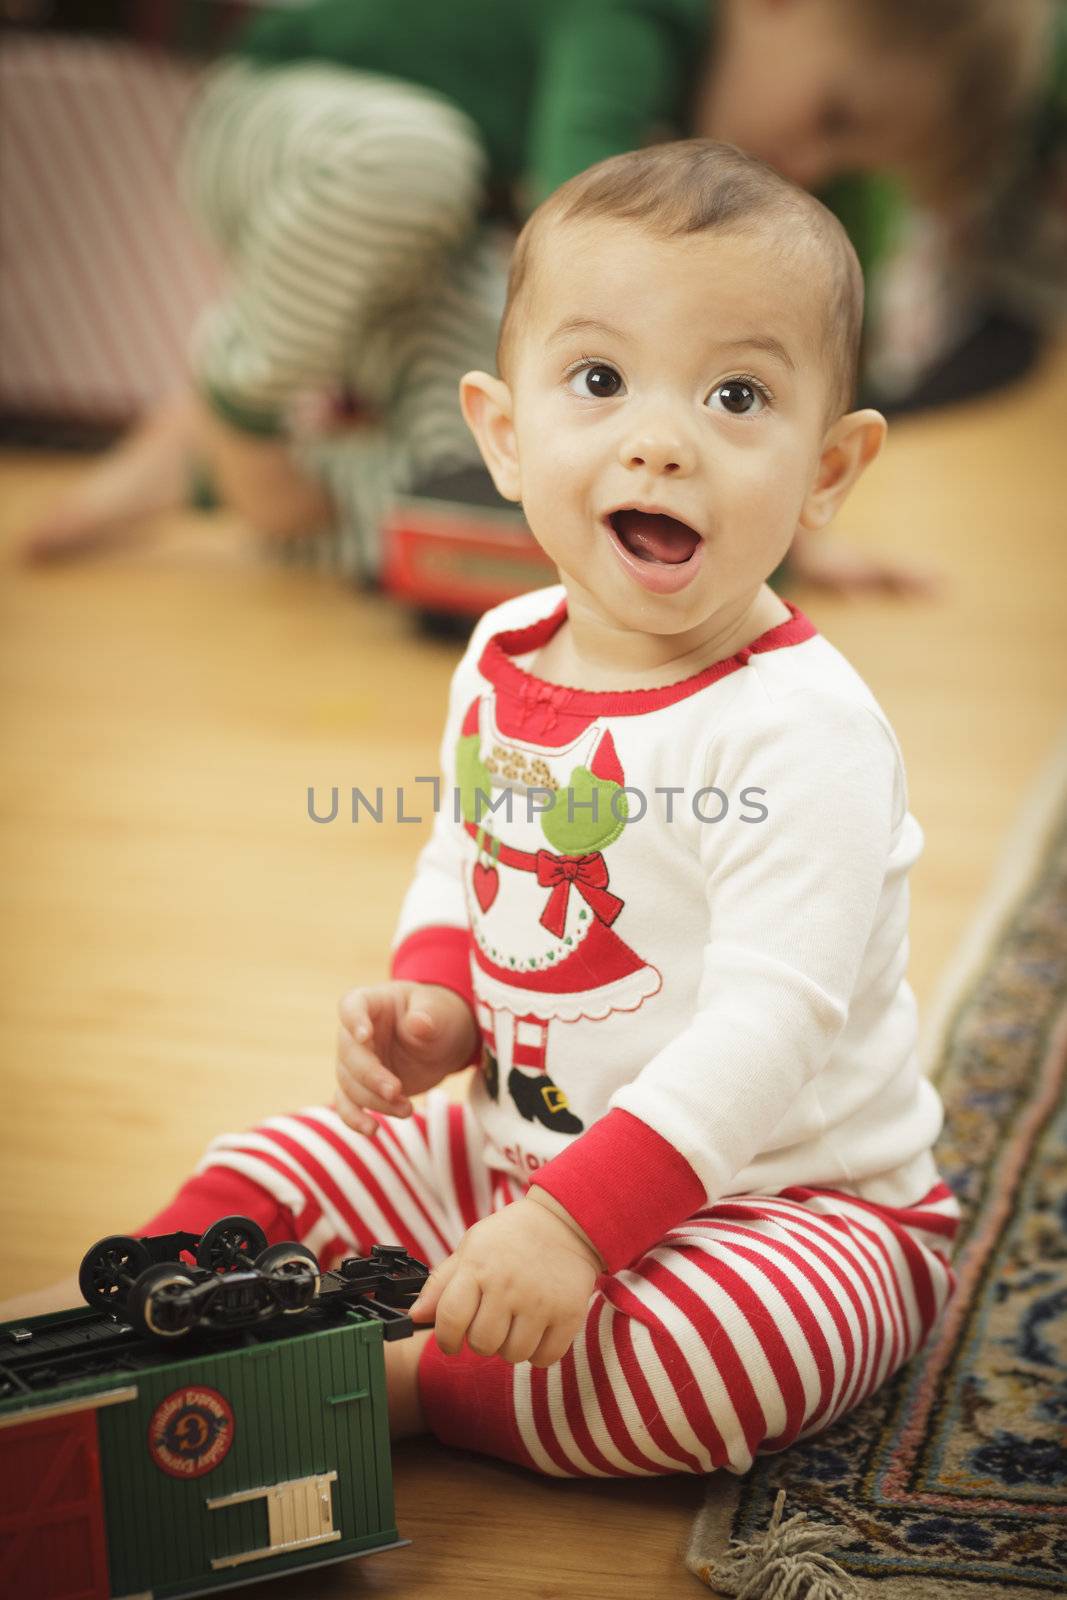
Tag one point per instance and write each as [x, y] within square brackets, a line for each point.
[737, 397]
[600, 380]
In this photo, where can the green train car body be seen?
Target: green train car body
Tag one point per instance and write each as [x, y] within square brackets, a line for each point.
[130, 1467]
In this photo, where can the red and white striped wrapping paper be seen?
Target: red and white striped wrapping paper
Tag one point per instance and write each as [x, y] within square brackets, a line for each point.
[102, 272]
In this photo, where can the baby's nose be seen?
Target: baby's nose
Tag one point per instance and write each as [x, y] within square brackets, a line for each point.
[658, 453]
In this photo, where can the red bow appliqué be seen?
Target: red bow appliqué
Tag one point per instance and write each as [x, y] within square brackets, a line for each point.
[544, 700]
[589, 876]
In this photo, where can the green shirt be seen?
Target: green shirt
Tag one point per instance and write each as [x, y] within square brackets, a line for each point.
[553, 85]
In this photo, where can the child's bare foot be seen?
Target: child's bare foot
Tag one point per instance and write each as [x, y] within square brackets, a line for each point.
[402, 1384]
[260, 479]
[60, 1296]
[145, 473]
[841, 568]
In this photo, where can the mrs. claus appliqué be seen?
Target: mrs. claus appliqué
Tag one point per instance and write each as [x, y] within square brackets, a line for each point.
[542, 909]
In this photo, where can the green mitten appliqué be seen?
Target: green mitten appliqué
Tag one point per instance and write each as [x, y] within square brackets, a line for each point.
[594, 817]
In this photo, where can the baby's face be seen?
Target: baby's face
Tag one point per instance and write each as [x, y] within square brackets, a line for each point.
[668, 402]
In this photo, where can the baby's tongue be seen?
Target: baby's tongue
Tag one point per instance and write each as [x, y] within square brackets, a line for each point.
[655, 537]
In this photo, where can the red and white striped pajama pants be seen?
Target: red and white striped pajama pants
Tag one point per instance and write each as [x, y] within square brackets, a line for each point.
[758, 1321]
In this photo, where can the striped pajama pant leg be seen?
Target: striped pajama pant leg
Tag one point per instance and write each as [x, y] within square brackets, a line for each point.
[346, 206]
[757, 1322]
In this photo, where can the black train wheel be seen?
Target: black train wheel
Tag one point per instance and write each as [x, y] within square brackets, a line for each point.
[108, 1270]
[161, 1303]
[293, 1270]
[230, 1243]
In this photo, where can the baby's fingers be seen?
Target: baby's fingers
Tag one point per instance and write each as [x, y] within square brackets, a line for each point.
[490, 1327]
[456, 1310]
[524, 1336]
[554, 1345]
[356, 1015]
[352, 1115]
[364, 1075]
[366, 1100]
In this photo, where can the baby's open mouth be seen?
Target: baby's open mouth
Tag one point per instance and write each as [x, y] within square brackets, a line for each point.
[654, 536]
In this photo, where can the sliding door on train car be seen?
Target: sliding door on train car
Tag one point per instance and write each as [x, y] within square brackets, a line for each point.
[52, 1540]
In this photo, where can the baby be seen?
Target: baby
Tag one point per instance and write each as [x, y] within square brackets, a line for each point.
[689, 1212]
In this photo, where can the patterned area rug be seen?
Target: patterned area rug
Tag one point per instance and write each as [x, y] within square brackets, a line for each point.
[953, 1478]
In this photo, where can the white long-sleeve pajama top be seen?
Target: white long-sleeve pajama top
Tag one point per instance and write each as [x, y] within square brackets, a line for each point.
[680, 916]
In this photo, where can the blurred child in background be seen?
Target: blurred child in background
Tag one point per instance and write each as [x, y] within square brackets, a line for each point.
[978, 273]
[361, 169]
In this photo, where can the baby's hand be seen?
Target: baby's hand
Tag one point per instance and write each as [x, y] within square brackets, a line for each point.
[519, 1284]
[395, 1040]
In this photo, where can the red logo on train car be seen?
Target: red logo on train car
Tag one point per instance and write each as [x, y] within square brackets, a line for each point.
[191, 1431]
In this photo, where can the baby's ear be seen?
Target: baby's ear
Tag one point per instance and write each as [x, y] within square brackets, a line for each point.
[848, 449]
[486, 407]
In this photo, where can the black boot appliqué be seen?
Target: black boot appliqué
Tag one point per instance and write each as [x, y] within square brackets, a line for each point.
[540, 1100]
[491, 1068]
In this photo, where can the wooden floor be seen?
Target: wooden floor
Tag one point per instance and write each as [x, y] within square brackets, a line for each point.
[176, 931]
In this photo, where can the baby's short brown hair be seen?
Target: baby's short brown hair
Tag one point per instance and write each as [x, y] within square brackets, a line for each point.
[695, 186]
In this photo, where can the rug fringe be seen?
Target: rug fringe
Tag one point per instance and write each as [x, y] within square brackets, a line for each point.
[785, 1563]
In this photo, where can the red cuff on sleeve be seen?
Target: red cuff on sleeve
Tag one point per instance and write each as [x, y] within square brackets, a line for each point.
[437, 955]
[624, 1185]
[440, 955]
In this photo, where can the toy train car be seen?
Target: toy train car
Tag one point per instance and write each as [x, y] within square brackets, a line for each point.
[454, 547]
[219, 1445]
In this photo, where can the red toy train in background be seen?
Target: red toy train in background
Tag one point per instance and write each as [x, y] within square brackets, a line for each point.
[453, 547]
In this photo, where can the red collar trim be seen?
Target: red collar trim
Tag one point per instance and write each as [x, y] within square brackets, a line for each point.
[496, 665]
